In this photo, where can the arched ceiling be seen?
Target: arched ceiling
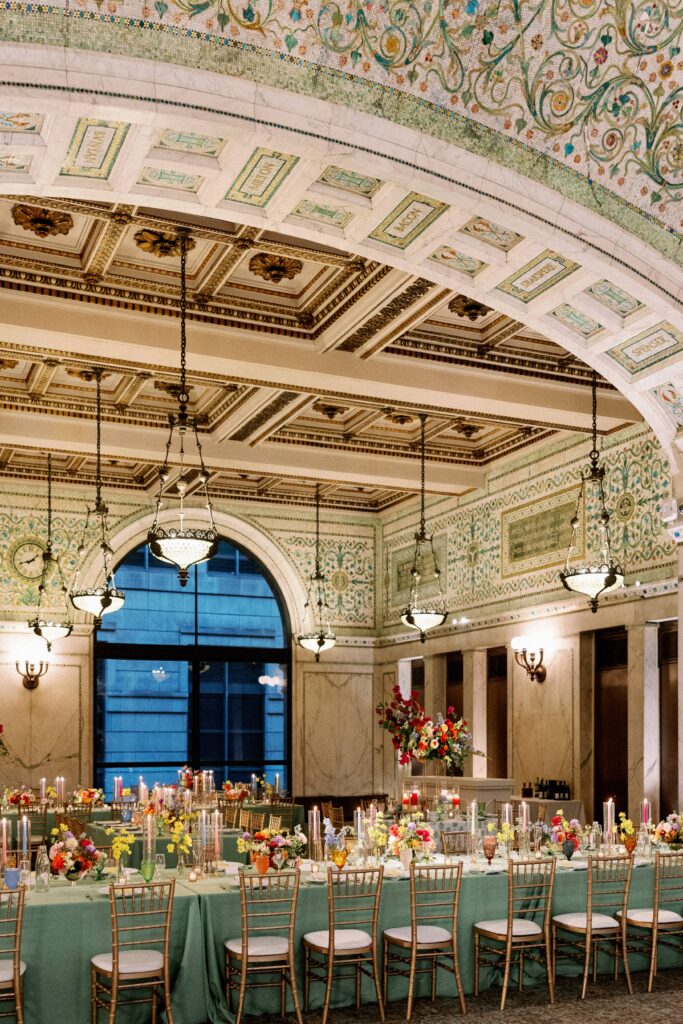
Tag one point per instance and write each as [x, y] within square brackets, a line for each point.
[573, 273]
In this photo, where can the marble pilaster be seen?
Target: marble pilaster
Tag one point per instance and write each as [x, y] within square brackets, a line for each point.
[474, 669]
[585, 769]
[643, 716]
[435, 684]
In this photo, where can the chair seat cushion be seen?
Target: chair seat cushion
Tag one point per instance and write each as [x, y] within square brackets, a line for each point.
[133, 961]
[427, 935]
[520, 927]
[344, 938]
[580, 921]
[646, 916]
[260, 945]
[7, 970]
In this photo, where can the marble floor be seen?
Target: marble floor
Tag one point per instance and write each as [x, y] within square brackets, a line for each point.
[607, 1003]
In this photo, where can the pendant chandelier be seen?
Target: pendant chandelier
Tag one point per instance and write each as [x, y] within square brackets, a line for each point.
[320, 637]
[106, 597]
[602, 575]
[423, 614]
[177, 544]
[58, 628]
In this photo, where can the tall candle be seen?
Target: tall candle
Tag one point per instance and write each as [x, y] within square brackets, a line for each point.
[150, 828]
[217, 827]
[645, 811]
[25, 838]
[608, 816]
[187, 801]
[474, 817]
[456, 801]
[4, 840]
[203, 831]
[43, 790]
[195, 784]
[405, 801]
[277, 783]
[143, 791]
[254, 785]
[414, 798]
[358, 824]
[525, 815]
[314, 825]
[507, 814]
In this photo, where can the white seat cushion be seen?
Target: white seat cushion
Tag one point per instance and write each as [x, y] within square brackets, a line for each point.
[580, 921]
[344, 938]
[261, 945]
[133, 961]
[427, 935]
[646, 917]
[7, 970]
[520, 926]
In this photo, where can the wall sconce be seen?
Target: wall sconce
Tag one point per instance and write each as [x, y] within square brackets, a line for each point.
[529, 656]
[31, 673]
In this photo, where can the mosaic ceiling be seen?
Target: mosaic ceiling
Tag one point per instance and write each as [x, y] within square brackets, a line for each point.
[381, 345]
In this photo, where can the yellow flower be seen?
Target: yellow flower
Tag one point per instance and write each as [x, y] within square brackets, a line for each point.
[170, 847]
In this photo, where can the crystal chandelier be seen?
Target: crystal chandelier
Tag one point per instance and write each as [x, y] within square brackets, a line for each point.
[106, 597]
[602, 575]
[177, 544]
[50, 629]
[320, 637]
[423, 614]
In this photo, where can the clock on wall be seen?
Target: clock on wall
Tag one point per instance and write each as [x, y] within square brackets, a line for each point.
[27, 558]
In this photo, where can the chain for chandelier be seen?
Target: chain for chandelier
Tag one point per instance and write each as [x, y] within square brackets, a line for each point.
[105, 597]
[601, 575]
[50, 629]
[177, 544]
[423, 613]
[319, 637]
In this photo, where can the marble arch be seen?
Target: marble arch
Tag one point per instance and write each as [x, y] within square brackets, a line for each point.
[63, 91]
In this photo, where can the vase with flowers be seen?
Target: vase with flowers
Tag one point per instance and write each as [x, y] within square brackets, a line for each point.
[627, 833]
[669, 833]
[565, 831]
[71, 856]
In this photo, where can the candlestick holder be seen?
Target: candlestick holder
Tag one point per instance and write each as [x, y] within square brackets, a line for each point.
[316, 850]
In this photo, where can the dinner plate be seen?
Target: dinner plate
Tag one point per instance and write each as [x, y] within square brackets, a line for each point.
[316, 880]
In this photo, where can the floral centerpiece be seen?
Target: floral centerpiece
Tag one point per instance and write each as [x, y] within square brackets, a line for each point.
[70, 856]
[417, 737]
[19, 797]
[410, 834]
[88, 795]
[564, 831]
[626, 832]
[180, 840]
[670, 831]
[378, 833]
[279, 849]
[236, 790]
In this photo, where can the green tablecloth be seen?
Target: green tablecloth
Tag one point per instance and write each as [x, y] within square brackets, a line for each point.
[68, 925]
[99, 836]
[98, 814]
[483, 897]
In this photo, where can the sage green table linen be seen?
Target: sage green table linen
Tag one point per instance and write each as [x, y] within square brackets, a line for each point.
[64, 928]
[100, 837]
[483, 897]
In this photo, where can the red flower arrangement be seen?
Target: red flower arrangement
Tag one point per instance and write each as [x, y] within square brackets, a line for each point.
[20, 798]
[418, 738]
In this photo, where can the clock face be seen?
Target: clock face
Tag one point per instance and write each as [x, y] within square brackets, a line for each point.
[27, 559]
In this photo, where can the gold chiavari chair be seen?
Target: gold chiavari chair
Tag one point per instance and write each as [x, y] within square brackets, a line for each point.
[525, 932]
[514, 804]
[582, 936]
[661, 924]
[12, 967]
[141, 930]
[117, 807]
[245, 820]
[257, 820]
[454, 843]
[326, 809]
[82, 811]
[230, 816]
[541, 812]
[266, 946]
[432, 934]
[286, 814]
[75, 825]
[37, 816]
[337, 817]
[274, 823]
[351, 938]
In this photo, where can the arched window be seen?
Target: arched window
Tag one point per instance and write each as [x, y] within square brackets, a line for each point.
[193, 676]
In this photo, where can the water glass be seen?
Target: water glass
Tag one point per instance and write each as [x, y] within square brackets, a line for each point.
[25, 873]
[160, 861]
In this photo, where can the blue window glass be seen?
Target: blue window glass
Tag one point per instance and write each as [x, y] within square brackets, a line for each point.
[195, 676]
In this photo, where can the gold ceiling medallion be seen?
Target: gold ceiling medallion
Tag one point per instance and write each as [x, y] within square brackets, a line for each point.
[161, 243]
[8, 364]
[274, 268]
[87, 374]
[42, 222]
[461, 305]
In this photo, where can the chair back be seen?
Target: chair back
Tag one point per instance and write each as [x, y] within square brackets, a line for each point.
[274, 822]
[141, 918]
[286, 815]
[257, 818]
[82, 811]
[541, 812]
[609, 881]
[434, 896]
[515, 806]
[245, 819]
[11, 922]
[268, 905]
[37, 816]
[455, 842]
[353, 899]
[338, 817]
[668, 882]
[230, 815]
[75, 825]
[117, 807]
[530, 891]
[326, 809]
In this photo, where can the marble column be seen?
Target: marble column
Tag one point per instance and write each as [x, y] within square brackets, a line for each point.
[435, 684]
[585, 774]
[404, 676]
[474, 706]
[679, 765]
[643, 716]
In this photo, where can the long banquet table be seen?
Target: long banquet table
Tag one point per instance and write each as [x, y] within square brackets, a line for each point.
[102, 838]
[68, 925]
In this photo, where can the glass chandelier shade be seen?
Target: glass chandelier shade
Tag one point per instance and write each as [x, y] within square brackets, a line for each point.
[601, 574]
[424, 613]
[58, 628]
[319, 638]
[106, 597]
[177, 544]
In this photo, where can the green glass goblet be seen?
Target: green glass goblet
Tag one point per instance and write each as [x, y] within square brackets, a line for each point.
[147, 870]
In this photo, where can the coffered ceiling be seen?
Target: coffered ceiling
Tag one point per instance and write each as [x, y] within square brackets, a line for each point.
[306, 362]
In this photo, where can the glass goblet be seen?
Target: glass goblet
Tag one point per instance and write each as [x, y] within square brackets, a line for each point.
[489, 846]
